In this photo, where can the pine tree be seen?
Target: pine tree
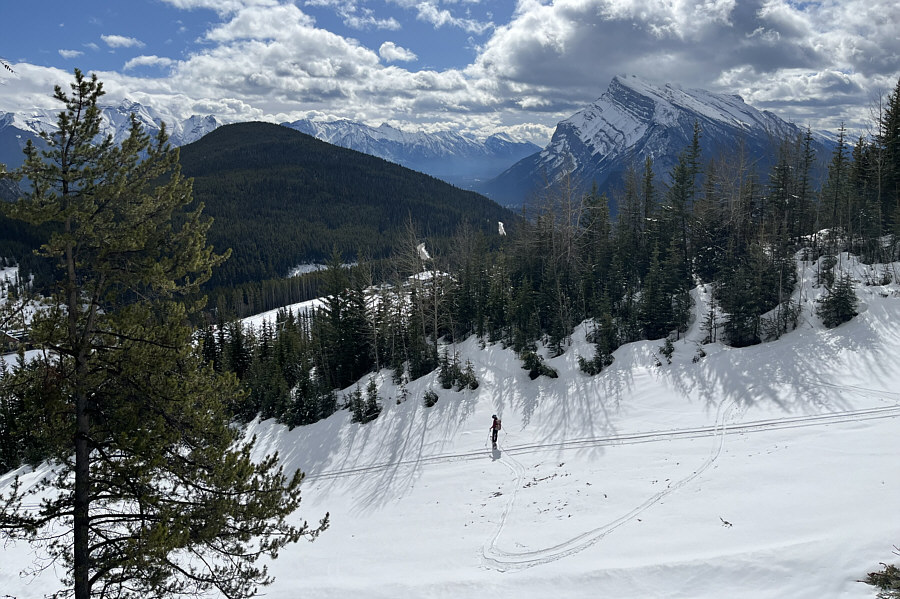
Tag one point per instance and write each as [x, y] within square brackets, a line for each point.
[886, 580]
[836, 193]
[888, 142]
[680, 196]
[654, 310]
[152, 491]
[839, 303]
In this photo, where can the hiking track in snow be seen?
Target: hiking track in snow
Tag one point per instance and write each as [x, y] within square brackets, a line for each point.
[787, 422]
[495, 558]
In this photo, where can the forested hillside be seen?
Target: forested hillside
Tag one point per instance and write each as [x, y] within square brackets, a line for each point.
[279, 198]
[711, 223]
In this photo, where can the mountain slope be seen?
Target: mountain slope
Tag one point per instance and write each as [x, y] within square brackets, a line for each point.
[634, 120]
[446, 155]
[280, 198]
[756, 473]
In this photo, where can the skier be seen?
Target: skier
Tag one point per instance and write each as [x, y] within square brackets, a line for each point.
[495, 429]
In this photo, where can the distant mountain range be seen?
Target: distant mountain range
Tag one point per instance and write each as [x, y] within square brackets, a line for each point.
[635, 119]
[16, 128]
[458, 159]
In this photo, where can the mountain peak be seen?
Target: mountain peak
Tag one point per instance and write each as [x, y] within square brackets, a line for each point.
[635, 119]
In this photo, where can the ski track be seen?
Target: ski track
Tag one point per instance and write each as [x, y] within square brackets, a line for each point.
[753, 426]
[505, 561]
[495, 558]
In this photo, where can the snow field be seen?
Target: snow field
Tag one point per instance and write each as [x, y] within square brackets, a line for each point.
[756, 473]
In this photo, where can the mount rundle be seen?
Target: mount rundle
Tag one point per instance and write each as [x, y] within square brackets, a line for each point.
[635, 119]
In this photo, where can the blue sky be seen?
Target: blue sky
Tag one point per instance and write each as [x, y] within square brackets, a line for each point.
[479, 66]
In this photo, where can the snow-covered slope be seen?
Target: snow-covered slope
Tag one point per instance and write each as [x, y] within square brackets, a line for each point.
[447, 155]
[635, 119]
[758, 473]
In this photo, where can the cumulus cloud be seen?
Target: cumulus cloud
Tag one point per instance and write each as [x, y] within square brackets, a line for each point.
[70, 53]
[148, 61]
[553, 55]
[814, 62]
[391, 52]
[272, 23]
[223, 7]
[121, 41]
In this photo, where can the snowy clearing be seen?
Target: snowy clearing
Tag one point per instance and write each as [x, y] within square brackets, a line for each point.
[764, 472]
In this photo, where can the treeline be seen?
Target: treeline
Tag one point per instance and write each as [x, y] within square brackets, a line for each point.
[254, 297]
[714, 222]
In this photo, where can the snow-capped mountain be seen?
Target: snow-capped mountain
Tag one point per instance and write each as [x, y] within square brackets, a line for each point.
[459, 159]
[635, 119]
[453, 157]
[116, 120]
[17, 128]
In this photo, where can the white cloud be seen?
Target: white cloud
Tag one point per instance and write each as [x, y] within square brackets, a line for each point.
[391, 52]
[70, 53]
[268, 59]
[223, 7]
[554, 55]
[120, 41]
[430, 13]
[273, 23]
[355, 16]
[148, 61]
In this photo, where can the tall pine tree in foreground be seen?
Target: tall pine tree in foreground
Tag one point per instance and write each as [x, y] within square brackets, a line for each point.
[151, 492]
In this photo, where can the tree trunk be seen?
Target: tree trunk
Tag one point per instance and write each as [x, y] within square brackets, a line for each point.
[81, 499]
[81, 552]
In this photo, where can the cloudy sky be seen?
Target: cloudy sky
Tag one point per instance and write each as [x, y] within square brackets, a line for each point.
[472, 65]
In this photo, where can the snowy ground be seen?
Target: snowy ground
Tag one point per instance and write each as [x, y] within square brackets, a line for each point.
[765, 472]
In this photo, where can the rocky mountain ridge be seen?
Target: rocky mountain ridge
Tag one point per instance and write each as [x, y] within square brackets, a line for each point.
[635, 119]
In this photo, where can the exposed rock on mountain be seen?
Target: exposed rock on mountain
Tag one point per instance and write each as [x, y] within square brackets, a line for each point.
[635, 119]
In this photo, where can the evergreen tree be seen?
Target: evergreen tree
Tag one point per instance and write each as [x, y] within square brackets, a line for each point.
[655, 310]
[839, 303]
[886, 580]
[680, 196]
[152, 492]
[709, 229]
[888, 142]
[836, 194]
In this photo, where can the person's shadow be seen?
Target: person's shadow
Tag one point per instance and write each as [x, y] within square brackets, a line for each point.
[495, 454]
